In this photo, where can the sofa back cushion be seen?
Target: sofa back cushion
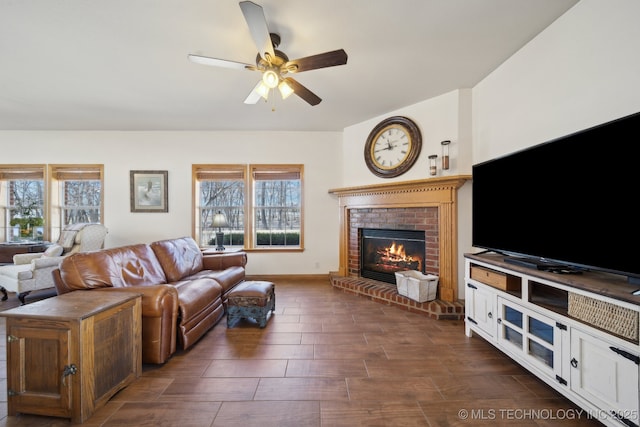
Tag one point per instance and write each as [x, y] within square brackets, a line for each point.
[179, 257]
[132, 265]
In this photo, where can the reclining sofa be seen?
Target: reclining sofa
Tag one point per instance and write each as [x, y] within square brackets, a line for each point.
[183, 289]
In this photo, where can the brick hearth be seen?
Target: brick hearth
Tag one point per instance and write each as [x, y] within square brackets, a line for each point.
[386, 293]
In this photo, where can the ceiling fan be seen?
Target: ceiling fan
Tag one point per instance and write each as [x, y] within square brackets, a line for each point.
[272, 63]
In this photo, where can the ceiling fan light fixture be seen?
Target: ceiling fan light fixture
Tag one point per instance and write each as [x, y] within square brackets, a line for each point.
[285, 89]
[263, 90]
[270, 78]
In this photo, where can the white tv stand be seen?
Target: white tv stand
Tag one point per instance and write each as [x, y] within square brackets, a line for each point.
[538, 319]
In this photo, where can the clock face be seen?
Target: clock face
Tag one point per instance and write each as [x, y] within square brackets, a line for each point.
[392, 147]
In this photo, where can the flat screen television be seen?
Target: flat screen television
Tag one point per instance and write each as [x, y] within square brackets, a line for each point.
[567, 202]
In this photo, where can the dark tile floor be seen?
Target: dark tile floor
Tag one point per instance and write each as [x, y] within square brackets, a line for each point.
[328, 359]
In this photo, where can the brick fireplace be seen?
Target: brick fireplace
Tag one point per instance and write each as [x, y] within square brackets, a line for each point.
[429, 205]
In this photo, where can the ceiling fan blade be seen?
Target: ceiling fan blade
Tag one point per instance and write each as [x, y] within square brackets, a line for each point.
[254, 15]
[254, 96]
[215, 62]
[303, 92]
[322, 60]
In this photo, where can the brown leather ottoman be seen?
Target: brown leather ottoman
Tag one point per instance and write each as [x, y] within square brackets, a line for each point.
[251, 299]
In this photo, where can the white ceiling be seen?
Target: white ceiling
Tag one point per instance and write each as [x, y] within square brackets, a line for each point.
[122, 64]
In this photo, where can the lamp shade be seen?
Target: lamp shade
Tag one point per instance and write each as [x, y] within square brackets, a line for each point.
[263, 90]
[219, 220]
[285, 89]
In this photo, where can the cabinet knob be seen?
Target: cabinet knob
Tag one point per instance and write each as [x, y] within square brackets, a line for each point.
[574, 362]
[490, 315]
[499, 321]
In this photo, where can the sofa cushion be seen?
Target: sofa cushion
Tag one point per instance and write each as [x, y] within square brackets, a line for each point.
[227, 278]
[194, 295]
[179, 258]
[132, 265]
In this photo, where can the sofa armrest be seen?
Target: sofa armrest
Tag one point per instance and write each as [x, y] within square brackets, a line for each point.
[26, 258]
[61, 287]
[159, 319]
[44, 262]
[218, 262]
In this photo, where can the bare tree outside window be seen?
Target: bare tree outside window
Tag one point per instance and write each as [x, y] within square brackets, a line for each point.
[26, 209]
[81, 201]
[277, 212]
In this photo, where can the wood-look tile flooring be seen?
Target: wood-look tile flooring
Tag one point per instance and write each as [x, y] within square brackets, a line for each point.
[328, 359]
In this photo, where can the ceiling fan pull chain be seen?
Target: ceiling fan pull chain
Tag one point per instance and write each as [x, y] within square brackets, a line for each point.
[273, 97]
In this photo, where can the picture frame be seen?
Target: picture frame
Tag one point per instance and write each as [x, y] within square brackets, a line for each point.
[149, 191]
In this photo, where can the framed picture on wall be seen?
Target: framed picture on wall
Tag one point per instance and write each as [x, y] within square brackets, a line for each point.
[149, 191]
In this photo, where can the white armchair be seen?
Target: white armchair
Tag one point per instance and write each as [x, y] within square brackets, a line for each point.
[32, 271]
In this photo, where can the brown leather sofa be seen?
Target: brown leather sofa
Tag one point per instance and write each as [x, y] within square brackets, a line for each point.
[183, 289]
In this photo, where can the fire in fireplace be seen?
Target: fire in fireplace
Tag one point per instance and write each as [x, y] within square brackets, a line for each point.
[383, 252]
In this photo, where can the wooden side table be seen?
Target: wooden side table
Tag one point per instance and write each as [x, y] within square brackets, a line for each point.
[214, 251]
[68, 355]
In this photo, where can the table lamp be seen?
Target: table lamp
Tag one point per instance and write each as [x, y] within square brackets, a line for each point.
[219, 221]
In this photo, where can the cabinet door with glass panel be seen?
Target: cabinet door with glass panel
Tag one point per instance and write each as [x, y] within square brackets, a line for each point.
[533, 336]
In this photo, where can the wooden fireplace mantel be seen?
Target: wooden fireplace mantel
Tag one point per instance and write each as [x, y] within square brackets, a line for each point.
[440, 192]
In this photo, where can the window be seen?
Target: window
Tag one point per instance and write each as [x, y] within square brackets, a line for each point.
[36, 201]
[220, 189]
[260, 201]
[76, 195]
[22, 195]
[277, 206]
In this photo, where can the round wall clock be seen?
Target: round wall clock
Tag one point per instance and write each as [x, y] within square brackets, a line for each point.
[392, 147]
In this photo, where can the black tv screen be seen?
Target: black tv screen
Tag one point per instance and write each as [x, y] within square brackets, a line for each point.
[570, 201]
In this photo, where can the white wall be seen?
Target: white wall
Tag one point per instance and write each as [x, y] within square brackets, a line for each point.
[581, 71]
[175, 152]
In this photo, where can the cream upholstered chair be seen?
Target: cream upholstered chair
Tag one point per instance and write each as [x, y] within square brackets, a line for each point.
[32, 271]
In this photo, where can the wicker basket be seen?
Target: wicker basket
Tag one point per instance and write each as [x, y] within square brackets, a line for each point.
[605, 315]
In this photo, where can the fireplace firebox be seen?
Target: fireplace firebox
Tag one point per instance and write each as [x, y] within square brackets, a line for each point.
[383, 252]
